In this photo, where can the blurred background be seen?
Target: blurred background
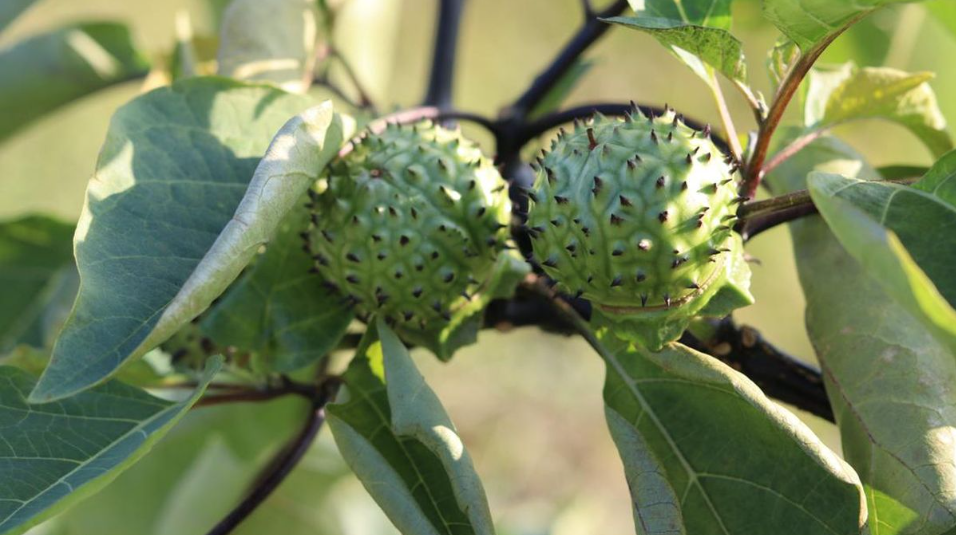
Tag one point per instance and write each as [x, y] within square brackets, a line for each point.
[527, 404]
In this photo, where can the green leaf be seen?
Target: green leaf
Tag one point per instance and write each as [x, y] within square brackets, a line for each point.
[714, 46]
[809, 23]
[553, 99]
[781, 59]
[940, 180]
[11, 9]
[44, 72]
[37, 277]
[847, 93]
[867, 217]
[56, 454]
[711, 13]
[705, 452]
[279, 309]
[466, 321]
[395, 435]
[269, 40]
[172, 217]
[890, 381]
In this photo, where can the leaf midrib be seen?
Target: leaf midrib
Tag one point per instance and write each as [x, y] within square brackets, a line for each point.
[691, 472]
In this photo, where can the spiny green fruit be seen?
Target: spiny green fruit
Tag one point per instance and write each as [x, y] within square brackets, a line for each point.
[409, 224]
[636, 215]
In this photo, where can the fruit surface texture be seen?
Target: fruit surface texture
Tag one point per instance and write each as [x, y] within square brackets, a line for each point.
[409, 224]
[636, 215]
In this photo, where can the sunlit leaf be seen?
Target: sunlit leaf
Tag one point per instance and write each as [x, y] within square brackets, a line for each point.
[44, 72]
[169, 223]
[38, 280]
[808, 23]
[714, 46]
[395, 435]
[711, 13]
[846, 93]
[56, 454]
[889, 380]
[705, 452]
[269, 40]
[903, 237]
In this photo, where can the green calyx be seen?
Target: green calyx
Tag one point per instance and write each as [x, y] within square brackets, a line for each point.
[636, 215]
[409, 224]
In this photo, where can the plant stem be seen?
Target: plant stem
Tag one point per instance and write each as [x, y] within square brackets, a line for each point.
[240, 394]
[792, 149]
[755, 105]
[758, 216]
[725, 117]
[788, 88]
[443, 57]
[280, 467]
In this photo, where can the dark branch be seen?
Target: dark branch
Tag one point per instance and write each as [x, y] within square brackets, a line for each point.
[443, 58]
[590, 32]
[758, 216]
[778, 374]
[241, 394]
[281, 466]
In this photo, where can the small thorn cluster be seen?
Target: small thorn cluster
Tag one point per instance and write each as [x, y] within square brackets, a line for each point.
[636, 215]
[409, 224]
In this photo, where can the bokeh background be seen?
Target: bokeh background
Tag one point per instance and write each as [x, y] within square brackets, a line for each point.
[528, 404]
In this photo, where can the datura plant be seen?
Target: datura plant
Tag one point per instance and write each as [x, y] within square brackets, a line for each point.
[258, 226]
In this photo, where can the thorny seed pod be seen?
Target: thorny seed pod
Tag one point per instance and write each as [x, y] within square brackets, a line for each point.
[646, 197]
[409, 223]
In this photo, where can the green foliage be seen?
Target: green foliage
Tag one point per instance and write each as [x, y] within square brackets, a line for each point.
[38, 280]
[191, 238]
[47, 71]
[706, 453]
[697, 32]
[59, 453]
[889, 380]
[808, 23]
[716, 47]
[395, 435]
[201, 469]
[185, 173]
[847, 93]
[884, 227]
